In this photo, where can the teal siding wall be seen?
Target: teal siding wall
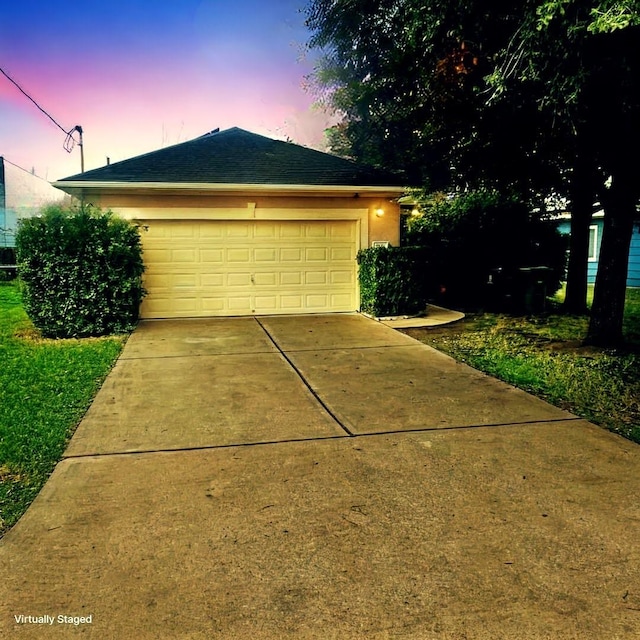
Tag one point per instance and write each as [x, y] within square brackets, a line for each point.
[8, 225]
[633, 275]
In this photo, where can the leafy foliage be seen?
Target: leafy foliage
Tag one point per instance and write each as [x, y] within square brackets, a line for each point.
[537, 98]
[408, 80]
[81, 270]
[393, 280]
[472, 235]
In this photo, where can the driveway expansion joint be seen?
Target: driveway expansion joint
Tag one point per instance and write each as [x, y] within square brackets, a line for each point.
[304, 380]
[357, 348]
[198, 355]
[347, 436]
[231, 445]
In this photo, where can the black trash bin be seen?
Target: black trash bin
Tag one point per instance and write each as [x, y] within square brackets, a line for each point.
[534, 283]
[521, 290]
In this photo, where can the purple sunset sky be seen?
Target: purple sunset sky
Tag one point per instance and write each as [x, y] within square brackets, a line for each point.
[139, 75]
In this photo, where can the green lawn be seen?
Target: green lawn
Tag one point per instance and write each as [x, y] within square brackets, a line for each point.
[544, 356]
[45, 388]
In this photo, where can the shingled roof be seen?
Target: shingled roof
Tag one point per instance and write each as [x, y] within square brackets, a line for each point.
[236, 156]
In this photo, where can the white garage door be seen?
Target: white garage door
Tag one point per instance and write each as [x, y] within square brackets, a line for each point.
[222, 268]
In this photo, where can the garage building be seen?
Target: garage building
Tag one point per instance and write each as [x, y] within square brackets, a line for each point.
[234, 223]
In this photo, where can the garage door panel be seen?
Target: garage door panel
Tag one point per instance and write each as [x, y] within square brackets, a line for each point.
[238, 280]
[341, 232]
[184, 255]
[340, 253]
[315, 277]
[266, 230]
[155, 281]
[174, 305]
[199, 268]
[339, 300]
[212, 256]
[266, 279]
[240, 230]
[240, 304]
[317, 301]
[265, 255]
[239, 255]
[212, 280]
[267, 303]
[213, 305]
[291, 278]
[211, 231]
[317, 254]
[292, 303]
[317, 231]
[291, 231]
[182, 280]
[290, 255]
[182, 232]
[342, 277]
[154, 257]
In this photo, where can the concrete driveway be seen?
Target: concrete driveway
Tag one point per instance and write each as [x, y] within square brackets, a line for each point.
[324, 477]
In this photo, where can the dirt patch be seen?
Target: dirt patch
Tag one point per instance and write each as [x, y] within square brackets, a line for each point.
[433, 336]
[6, 475]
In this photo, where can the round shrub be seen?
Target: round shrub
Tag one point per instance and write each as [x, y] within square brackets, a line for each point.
[81, 271]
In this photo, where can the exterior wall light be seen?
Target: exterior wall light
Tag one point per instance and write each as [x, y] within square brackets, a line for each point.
[379, 212]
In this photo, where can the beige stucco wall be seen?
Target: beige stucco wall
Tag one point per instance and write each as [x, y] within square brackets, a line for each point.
[385, 227]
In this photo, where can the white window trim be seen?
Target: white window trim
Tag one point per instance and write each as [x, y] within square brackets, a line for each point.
[593, 257]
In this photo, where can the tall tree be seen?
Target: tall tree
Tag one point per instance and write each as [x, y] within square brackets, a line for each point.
[520, 95]
[408, 78]
[583, 57]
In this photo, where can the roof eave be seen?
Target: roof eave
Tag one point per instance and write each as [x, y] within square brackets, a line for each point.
[84, 188]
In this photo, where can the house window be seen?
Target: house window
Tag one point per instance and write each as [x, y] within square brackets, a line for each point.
[593, 243]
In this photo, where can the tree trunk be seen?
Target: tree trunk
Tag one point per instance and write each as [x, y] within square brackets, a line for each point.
[582, 197]
[607, 311]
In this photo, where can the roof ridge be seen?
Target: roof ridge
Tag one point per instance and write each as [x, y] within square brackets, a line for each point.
[239, 156]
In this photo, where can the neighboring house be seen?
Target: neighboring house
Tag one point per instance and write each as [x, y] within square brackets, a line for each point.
[234, 223]
[595, 240]
[22, 195]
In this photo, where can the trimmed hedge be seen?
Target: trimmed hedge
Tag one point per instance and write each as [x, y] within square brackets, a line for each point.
[393, 280]
[81, 271]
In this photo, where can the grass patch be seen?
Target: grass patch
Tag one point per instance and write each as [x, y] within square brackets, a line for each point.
[545, 356]
[46, 387]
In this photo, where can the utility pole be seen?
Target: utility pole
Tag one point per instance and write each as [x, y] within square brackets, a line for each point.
[78, 128]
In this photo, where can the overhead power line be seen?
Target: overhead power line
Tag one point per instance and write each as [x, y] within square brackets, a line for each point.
[24, 93]
[69, 141]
